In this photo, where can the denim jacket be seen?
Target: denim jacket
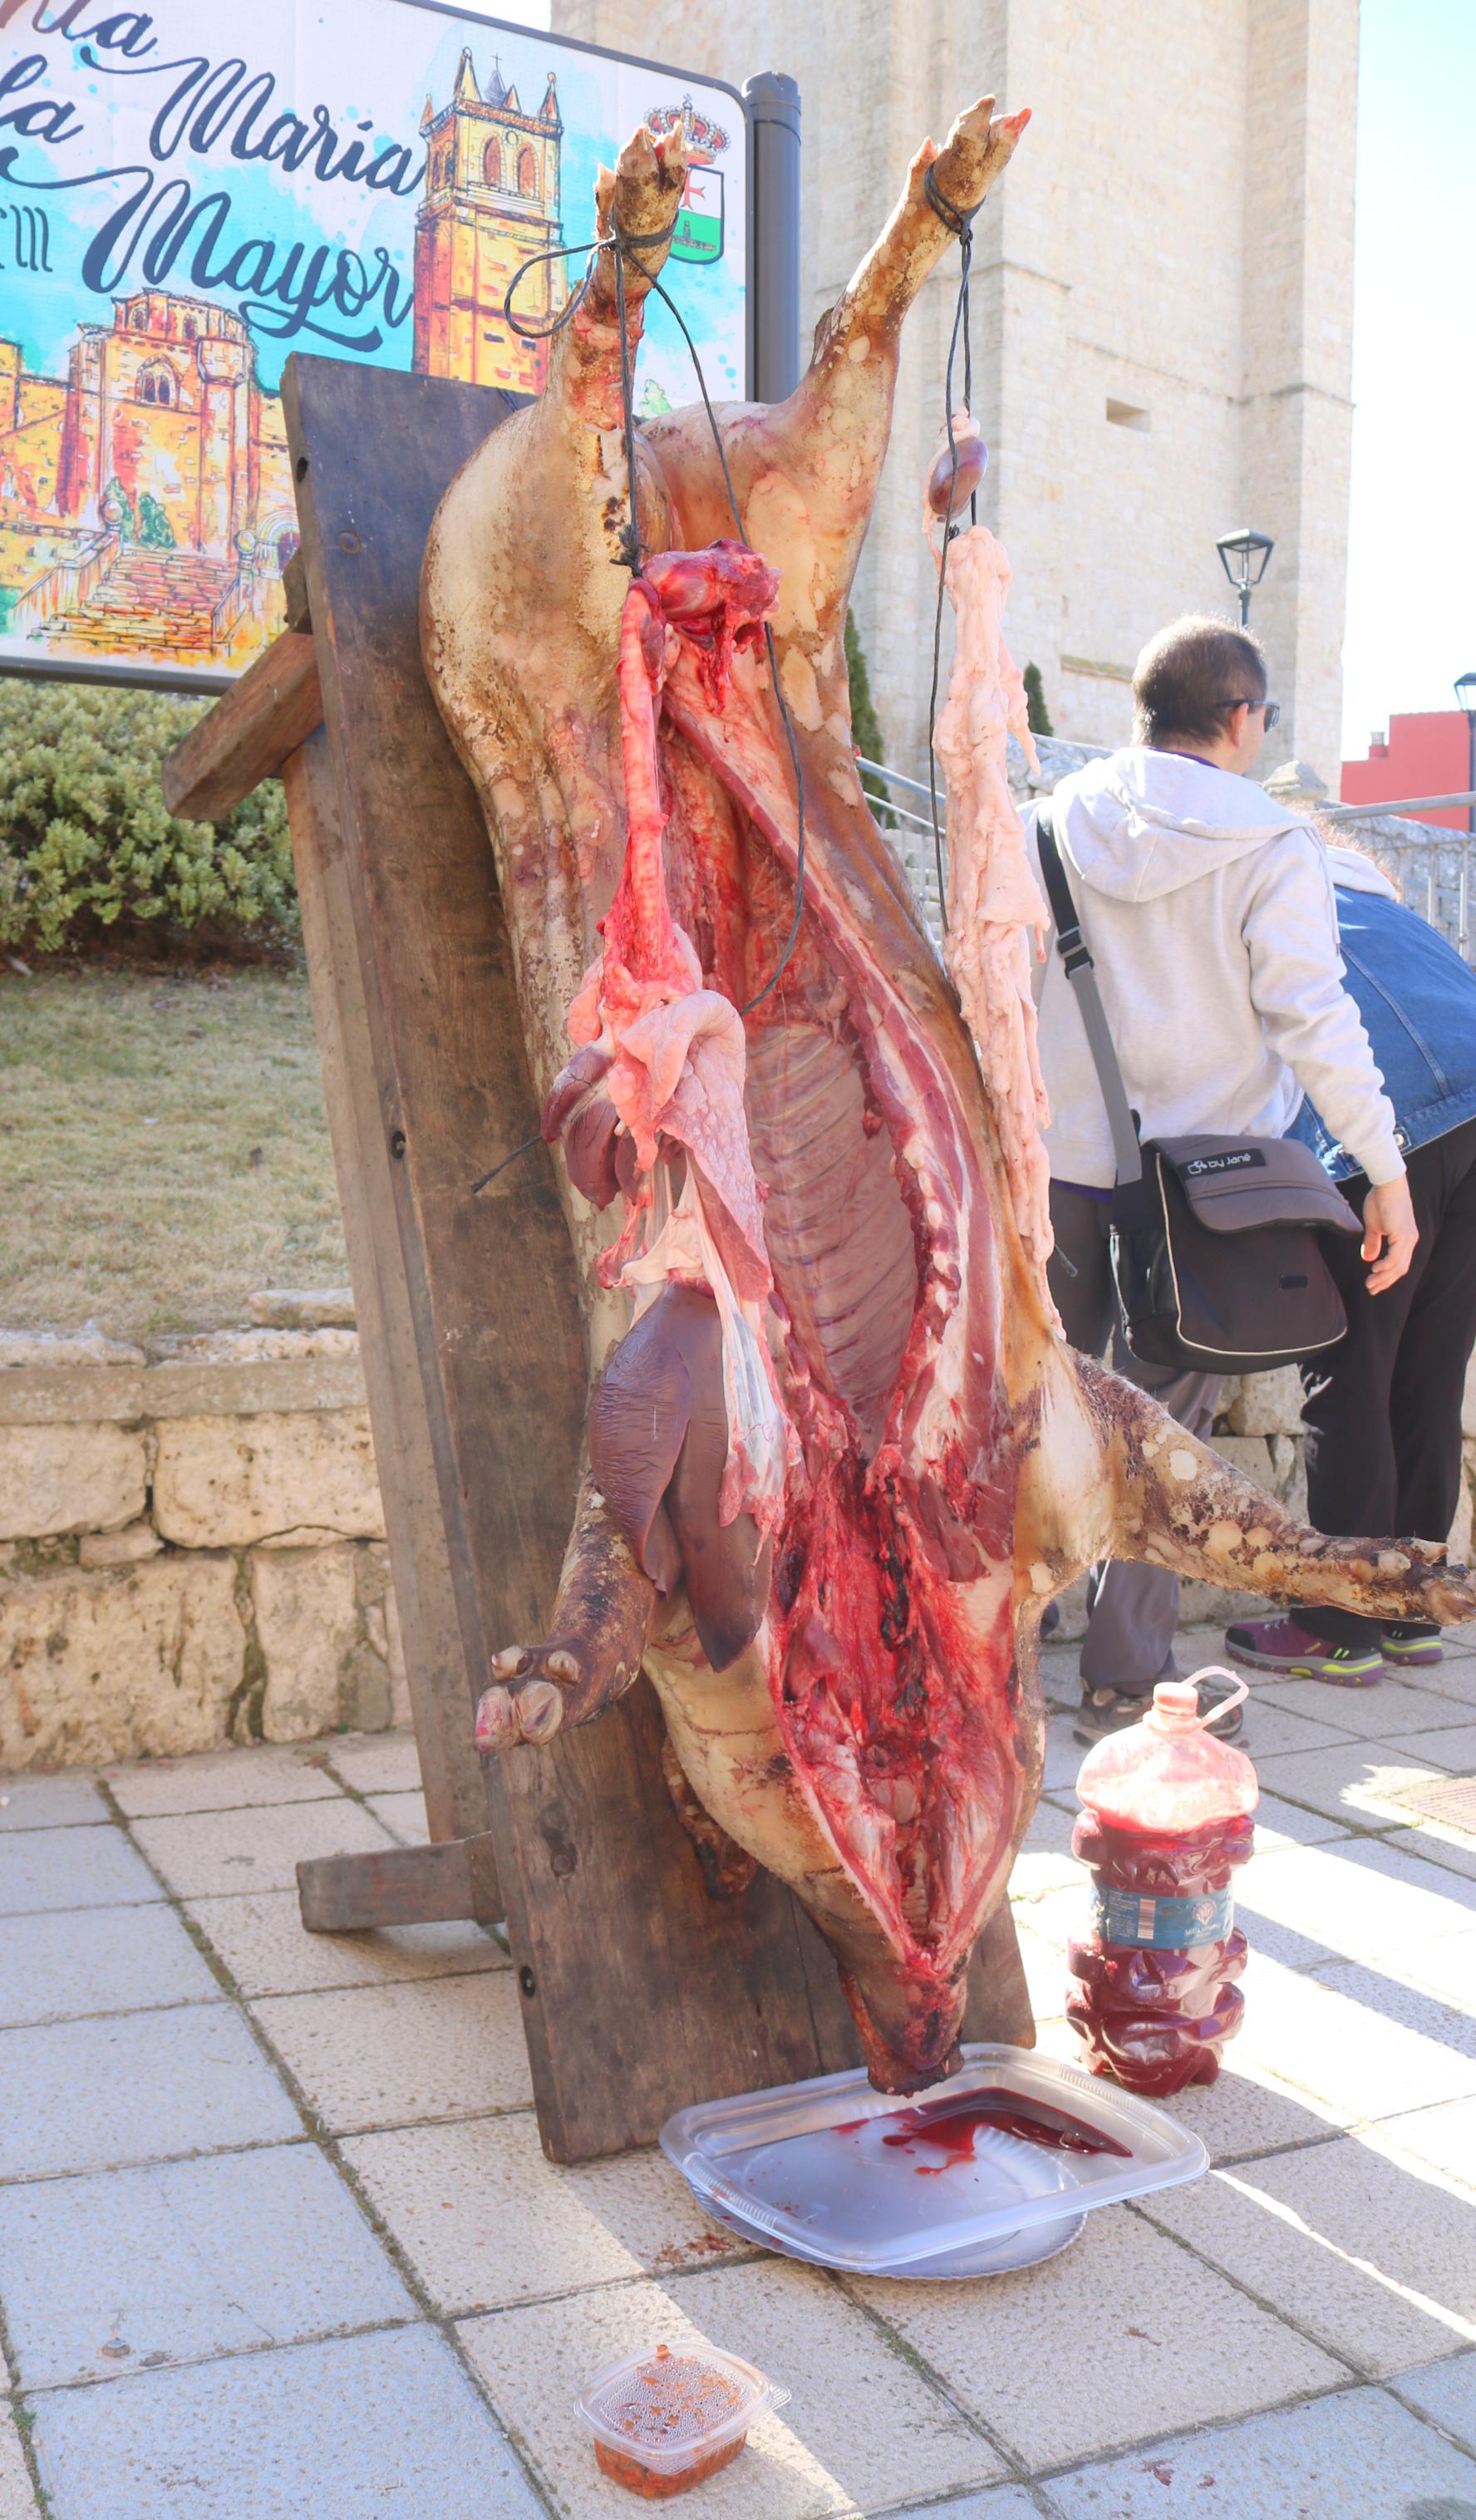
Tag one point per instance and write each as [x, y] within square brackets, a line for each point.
[1417, 999]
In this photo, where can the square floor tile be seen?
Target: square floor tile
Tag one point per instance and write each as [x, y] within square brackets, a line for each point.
[43, 1869]
[996, 2503]
[1354, 2039]
[1415, 2048]
[1453, 1746]
[1445, 1967]
[203, 1853]
[143, 2087]
[1446, 2392]
[49, 1802]
[1357, 1781]
[1372, 2258]
[267, 1949]
[1451, 1683]
[382, 2055]
[1063, 1756]
[1271, 1730]
[99, 1959]
[1355, 2457]
[1045, 1965]
[1279, 1822]
[375, 1762]
[1109, 2341]
[864, 2427]
[1442, 2139]
[223, 1781]
[131, 2268]
[17, 2501]
[360, 2428]
[1353, 1901]
[1244, 2112]
[1455, 1848]
[403, 1815]
[485, 2220]
[1386, 1712]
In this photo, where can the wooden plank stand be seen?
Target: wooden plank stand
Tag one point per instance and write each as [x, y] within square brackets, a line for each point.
[639, 1992]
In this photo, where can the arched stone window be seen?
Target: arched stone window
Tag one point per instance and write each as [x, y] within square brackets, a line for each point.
[139, 319]
[492, 165]
[192, 329]
[158, 384]
[528, 171]
[442, 175]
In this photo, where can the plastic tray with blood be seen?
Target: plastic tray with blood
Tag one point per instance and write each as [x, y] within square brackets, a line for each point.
[851, 2178]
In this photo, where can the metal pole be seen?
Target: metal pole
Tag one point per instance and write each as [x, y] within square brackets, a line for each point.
[1245, 591]
[1471, 769]
[773, 101]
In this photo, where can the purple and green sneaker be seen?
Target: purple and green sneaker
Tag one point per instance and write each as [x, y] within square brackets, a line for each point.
[1284, 1646]
[1411, 1647]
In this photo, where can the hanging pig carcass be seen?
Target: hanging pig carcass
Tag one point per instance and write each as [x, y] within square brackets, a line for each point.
[840, 1459]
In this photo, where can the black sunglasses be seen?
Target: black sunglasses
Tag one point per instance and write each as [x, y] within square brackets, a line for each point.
[1272, 710]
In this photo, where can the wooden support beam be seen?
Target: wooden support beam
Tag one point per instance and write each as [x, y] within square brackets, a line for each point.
[248, 734]
[401, 1885]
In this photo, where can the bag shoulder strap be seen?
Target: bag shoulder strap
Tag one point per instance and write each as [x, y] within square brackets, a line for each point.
[1081, 971]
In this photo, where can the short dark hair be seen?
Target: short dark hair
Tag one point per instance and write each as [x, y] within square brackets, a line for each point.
[1187, 675]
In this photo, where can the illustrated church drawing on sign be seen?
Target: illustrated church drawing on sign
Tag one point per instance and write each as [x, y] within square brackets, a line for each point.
[146, 497]
[492, 177]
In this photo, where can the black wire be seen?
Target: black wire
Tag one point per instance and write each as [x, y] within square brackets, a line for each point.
[963, 228]
[525, 1148]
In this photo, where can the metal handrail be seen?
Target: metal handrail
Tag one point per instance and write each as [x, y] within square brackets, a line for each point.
[1399, 805]
[894, 778]
[1329, 813]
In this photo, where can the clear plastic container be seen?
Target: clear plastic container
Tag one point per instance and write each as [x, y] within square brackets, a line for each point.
[667, 2420]
[1166, 1820]
[846, 2176]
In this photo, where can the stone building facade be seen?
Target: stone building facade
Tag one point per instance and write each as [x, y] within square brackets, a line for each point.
[1162, 312]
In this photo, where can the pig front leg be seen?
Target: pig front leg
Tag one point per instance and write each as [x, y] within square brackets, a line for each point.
[1168, 1500]
[597, 1635]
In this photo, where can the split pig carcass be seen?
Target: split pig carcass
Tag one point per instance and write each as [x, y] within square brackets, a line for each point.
[840, 1459]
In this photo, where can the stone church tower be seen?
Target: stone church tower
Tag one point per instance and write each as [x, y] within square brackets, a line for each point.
[492, 177]
[1162, 313]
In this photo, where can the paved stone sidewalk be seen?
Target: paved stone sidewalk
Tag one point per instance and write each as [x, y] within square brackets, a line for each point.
[277, 2241]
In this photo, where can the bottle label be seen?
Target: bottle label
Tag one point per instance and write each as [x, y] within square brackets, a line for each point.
[1162, 1924]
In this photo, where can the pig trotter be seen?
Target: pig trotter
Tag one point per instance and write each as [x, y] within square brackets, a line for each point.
[593, 1649]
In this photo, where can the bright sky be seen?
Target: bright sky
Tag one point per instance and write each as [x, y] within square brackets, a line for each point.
[1411, 563]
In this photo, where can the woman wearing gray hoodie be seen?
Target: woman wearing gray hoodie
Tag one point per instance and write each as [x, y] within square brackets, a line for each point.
[1209, 914]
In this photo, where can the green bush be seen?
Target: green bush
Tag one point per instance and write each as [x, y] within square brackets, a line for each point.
[88, 849]
[1037, 714]
[866, 726]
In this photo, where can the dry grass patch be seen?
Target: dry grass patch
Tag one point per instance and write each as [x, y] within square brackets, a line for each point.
[163, 1149]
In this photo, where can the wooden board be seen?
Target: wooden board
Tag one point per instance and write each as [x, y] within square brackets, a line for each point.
[248, 735]
[638, 1993]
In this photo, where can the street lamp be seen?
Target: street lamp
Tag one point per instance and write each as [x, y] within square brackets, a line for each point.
[1250, 553]
[1465, 698]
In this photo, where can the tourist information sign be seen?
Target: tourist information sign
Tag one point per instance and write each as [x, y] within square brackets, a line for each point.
[192, 191]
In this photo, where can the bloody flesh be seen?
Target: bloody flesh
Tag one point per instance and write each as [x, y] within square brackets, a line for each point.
[1157, 2020]
[949, 2127]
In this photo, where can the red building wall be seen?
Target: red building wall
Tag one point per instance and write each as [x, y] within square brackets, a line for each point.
[1426, 755]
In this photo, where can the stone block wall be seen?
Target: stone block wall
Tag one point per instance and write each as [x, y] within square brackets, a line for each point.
[192, 1545]
[191, 1542]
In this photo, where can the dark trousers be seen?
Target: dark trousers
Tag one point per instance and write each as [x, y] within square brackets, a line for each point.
[1382, 1409]
[1133, 1609]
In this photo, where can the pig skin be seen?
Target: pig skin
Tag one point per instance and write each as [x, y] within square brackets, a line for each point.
[879, 1743]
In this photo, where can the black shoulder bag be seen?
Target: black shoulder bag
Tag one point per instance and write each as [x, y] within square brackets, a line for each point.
[1214, 1239]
